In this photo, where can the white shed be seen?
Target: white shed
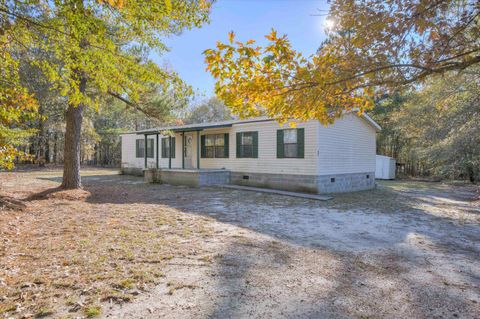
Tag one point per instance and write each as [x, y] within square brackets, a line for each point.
[385, 167]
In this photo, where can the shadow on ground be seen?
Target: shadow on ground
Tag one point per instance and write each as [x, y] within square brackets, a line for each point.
[373, 254]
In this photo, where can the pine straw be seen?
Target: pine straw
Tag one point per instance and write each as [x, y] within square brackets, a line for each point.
[63, 256]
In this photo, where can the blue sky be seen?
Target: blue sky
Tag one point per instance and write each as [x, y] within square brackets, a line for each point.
[249, 19]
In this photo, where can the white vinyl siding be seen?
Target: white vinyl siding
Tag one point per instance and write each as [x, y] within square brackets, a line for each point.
[129, 158]
[267, 161]
[347, 146]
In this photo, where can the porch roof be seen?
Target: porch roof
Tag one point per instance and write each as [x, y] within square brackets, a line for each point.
[200, 126]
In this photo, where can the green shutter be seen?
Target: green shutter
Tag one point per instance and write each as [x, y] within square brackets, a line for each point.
[300, 142]
[226, 143]
[280, 144]
[202, 144]
[137, 148]
[239, 142]
[255, 144]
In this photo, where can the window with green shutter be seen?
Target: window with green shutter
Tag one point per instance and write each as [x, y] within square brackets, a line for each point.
[140, 148]
[290, 143]
[150, 148]
[166, 147]
[247, 145]
[214, 146]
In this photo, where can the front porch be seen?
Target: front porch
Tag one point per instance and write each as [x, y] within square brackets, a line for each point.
[187, 177]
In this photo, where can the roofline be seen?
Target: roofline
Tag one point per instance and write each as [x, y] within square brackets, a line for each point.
[204, 126]
[377, 127]
[197, 127]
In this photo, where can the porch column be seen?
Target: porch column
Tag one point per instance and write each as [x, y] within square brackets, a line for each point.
[145, 151]
[183, 150]
[198, 149]
[169, 151]
[156, 155]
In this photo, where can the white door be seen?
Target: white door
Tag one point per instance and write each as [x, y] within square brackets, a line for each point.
[188, 150]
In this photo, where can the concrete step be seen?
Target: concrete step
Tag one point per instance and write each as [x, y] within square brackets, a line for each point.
[277, 192]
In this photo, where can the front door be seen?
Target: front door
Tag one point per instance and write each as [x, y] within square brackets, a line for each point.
[188, 150]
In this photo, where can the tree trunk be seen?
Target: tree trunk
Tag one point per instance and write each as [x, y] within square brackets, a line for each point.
[47, 148]
[41, 139]
[55, 147]
[71, 161]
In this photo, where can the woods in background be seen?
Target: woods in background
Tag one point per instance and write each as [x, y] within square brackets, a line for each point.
[100, 143]
[434, 130]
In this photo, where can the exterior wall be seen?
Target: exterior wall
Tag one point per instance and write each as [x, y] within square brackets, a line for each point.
[346, 155]
[340, 183]
[129, 159]
[288, 182]
[344, 151]
[267, 161]
[193, 178]
[347, 146]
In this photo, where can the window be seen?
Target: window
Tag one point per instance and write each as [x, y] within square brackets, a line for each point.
[290, 146]
[247, 144]
[166, 147]
[150, 147]
[214, 146]
[290, 143]
[140, 147]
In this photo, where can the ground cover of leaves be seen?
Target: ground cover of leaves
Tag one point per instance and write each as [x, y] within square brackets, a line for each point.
[63, 255]
[121, 248]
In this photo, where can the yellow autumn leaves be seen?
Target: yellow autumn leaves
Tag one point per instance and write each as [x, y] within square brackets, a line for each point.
[277, 81]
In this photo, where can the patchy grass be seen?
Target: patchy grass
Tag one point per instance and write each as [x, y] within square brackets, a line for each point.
[93, 311]
[66, 249]
[70, 254]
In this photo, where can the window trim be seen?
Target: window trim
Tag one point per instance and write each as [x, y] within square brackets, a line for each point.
[140, 144]
[150, 154]
[300, 143]
[290, 144]
[253, 145]
[165, 147]
[215, 150]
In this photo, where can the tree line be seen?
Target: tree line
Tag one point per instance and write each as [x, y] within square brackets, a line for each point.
[100, 142]
[433, 130]
[75, 73]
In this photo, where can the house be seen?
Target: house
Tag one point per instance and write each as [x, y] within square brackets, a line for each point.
[258, 152]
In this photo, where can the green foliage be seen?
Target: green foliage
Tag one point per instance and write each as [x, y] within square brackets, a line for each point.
[93, 311]
[105, 44]
[211, 110]
[17, 105]
[435, 130]
[373, 46]
[108, 45]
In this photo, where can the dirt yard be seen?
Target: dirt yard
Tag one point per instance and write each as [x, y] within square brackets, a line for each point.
[120, 248]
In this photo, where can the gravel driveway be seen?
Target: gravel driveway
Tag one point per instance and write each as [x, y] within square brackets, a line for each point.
[404, 250]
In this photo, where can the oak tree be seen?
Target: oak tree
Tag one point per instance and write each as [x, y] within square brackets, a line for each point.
[100, 47]
[372, 46]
